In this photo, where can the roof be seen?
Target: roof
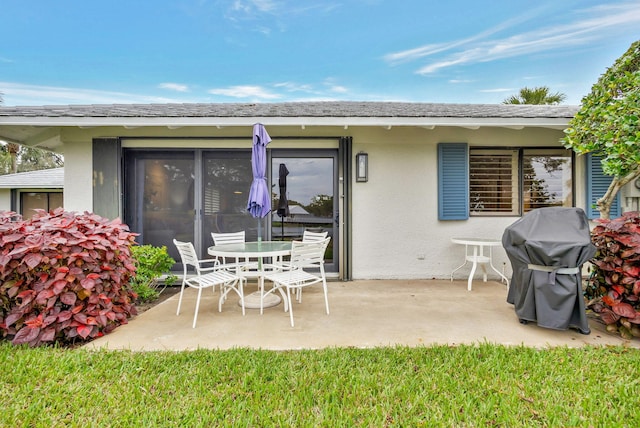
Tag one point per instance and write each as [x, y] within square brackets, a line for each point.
[42, 125]
[341, 109]
[43, 179]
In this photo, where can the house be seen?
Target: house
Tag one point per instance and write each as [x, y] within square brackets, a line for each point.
[25, 191]
[427, 172]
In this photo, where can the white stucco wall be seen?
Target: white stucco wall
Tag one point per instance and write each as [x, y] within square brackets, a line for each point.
[5, 199]
[78, 180]
[396, 231]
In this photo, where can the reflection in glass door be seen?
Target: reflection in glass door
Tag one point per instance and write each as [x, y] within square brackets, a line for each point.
[310, 192]
[226, 181]
[160, 197]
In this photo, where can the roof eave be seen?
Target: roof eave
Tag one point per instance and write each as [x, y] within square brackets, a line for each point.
[178, 122]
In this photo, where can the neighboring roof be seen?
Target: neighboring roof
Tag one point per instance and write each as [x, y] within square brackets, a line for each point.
[297, 210]
[43, 179]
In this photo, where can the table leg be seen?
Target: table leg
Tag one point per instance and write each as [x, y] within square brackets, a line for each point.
[462, 265]
[473, 268]
[258, 300]
[261, 288]
[503, 278]
[483, 266]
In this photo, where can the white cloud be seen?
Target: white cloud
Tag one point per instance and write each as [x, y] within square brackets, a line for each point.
[244, 91]
[498, 90]
[277, 13]
[596, 23]
[338, 89]
[25, 94]
[431, 49]
[178, 87]
[330, 84]
[295, 87]
[264, 5]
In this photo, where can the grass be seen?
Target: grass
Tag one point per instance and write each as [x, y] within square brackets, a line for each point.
[482, 385]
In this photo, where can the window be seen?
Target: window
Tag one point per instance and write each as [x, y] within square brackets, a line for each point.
[547, 179]
[493, 182]
[29, 201]
[515, 181]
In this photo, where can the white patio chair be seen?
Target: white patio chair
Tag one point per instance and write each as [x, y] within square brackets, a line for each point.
[234, 264]
[309, 236]
[295, 274]
[206, 277]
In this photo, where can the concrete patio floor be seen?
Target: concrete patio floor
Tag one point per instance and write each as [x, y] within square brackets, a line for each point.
[363, 314]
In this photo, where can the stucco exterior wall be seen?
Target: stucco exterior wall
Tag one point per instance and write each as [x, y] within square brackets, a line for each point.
[78, 188]
[396, 231]
[5, 199]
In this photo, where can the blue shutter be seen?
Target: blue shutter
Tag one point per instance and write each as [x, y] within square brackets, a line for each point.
[453, 181]
[597, 185]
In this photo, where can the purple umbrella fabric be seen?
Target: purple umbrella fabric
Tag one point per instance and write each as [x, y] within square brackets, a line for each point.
[259, 203]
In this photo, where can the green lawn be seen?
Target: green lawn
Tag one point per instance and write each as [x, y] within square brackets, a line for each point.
[481, 385]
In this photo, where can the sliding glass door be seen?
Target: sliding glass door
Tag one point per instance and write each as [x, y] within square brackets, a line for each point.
[187, 194]
[311, 189]
[159, 197]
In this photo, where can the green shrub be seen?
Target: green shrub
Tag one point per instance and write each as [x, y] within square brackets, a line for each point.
[614, 284]
[151, 264]
[64, 277]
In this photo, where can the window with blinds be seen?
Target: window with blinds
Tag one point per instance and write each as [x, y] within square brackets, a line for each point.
[515, 181]
[493, 182]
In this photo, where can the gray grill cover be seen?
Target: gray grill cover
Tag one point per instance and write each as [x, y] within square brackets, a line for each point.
[549, 239]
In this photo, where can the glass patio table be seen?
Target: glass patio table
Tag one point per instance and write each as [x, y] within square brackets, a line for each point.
[257, 250]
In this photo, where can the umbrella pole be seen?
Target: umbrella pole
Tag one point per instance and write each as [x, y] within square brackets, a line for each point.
[259, 241]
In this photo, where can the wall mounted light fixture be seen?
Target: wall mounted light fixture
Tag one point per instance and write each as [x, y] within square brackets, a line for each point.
[362, 167]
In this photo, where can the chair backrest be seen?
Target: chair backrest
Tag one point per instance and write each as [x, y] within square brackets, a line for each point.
[188, 255]
[309, 236]
[228, 238]
[308, 254]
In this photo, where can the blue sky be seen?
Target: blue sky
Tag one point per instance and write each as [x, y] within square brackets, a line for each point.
[455, 51]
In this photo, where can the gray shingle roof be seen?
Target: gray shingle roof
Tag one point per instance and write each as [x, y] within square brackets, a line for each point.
[295, 109]
[43, 179]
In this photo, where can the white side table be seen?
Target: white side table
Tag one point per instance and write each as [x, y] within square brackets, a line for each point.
[474, 249]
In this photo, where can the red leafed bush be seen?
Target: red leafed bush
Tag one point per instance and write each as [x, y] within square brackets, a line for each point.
[64, 277]
[614, 285]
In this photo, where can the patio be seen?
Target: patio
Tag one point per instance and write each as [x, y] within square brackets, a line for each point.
[363, 314]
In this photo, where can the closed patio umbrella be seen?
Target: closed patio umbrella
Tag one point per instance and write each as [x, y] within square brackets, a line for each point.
[283, 203]
[259, 204]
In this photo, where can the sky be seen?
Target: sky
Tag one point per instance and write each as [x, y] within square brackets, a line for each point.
[165, 51]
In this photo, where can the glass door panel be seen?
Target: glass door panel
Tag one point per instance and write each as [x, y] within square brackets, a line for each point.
[226, 180]
[310, 193]
[160, 203]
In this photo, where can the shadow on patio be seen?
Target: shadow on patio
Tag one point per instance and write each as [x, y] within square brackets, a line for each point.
[363, 314]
